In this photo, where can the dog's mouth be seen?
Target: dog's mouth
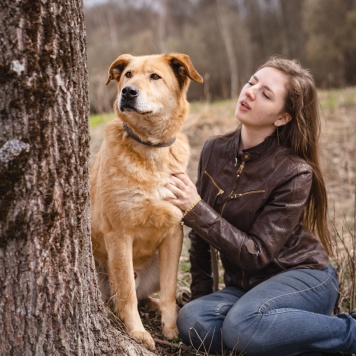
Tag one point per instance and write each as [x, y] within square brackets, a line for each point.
[127, 106]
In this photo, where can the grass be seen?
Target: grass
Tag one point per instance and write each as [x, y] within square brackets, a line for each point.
[338, 148]
[345, 262]
[336, 99]
[100, 119]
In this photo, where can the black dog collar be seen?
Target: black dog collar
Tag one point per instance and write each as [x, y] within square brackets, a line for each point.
[147, 143]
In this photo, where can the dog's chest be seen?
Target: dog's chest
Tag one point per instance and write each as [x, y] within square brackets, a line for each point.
[136, 185]
[142, 203]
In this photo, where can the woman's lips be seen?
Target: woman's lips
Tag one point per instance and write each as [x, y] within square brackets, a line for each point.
[244, 105]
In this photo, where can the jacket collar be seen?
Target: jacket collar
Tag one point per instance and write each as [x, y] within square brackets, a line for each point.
[268, 145]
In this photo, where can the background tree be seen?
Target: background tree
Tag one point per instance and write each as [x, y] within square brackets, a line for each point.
[226, 39]
[330, 29]
[49, 300]
[224, 24]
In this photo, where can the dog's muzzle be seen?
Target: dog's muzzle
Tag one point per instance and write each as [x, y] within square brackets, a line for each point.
[128, 98]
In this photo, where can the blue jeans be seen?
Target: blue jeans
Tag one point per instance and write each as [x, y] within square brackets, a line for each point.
[288, 314]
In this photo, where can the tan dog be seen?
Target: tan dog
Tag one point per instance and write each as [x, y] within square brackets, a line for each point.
[136, 233]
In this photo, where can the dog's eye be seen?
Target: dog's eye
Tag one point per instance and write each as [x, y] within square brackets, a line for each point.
[155, 76]
[128, 74]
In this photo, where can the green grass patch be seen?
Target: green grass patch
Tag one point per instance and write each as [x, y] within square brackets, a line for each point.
[334, 99]
[100, 119]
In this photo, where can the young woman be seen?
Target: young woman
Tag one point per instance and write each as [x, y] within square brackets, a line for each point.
[260, 200]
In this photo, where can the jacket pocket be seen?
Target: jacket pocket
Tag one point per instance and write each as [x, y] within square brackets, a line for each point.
[215, 191]
[239, 195]
[245, 205]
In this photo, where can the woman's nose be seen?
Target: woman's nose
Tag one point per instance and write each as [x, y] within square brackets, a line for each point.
[250, 93]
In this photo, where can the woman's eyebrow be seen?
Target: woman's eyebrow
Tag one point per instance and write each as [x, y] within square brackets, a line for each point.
[264, 86]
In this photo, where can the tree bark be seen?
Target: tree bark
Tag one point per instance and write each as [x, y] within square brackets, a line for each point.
[223, 17]
[49, 299]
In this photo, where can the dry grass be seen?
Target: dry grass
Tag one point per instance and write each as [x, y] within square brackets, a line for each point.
[338, 146]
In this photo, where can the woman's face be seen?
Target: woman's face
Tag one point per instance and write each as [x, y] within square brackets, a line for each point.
[262, 100]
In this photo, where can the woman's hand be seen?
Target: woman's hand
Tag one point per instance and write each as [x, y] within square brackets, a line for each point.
[184, 189]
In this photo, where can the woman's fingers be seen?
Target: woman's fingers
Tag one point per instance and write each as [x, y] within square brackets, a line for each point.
[183, 178]
[184, 189]
[174, 189]
[178, 182]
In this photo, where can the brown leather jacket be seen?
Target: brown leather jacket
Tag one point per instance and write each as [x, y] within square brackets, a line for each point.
[250, 212]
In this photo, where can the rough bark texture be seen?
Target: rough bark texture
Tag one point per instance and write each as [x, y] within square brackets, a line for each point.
[49, 300]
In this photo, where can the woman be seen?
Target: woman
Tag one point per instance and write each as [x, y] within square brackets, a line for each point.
[260, 200]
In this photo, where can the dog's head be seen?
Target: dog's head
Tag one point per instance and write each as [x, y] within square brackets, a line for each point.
[152, 92]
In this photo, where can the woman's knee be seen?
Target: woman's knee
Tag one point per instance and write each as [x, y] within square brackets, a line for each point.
[199, 324]
[190, 321]
[239, 330]
[184, 322]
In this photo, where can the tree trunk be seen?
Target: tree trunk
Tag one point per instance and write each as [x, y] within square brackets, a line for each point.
[223, 17]
[49, 300]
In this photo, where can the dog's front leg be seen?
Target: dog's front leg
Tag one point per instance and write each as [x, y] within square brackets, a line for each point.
[122, 283]
[169, 253]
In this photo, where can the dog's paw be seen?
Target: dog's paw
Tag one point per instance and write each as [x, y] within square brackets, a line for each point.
[143, 337]
[170, 333]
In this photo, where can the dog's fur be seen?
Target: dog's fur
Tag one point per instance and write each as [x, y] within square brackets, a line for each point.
[136, 233]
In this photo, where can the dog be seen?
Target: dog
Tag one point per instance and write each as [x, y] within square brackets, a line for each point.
[136, 233]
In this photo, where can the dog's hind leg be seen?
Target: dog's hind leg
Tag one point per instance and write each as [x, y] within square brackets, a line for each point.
[147, 279]
[169, 253]
[147, 283]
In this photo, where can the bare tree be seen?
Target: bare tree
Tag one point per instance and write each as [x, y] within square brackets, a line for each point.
[161, 26]
[49, 300]
[223, 17]
[282, 25]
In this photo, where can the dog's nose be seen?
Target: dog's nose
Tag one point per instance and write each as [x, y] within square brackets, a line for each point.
[129, 92]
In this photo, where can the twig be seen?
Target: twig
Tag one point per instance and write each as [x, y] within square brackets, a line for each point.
[171, 344]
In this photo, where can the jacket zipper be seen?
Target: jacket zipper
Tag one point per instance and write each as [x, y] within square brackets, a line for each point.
[243, 278]
[278, 264]
[234, 196]
[241, 167]
[220, 191]
[238, 173]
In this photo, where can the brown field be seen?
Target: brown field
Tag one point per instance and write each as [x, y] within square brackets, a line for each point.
[338, 146]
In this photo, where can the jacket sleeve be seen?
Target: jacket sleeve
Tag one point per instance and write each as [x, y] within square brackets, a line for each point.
[200, 266]
[274, 224]
[199, 252]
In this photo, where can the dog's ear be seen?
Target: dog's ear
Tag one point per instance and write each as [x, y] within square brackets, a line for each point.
[183, 68]
[117, 67]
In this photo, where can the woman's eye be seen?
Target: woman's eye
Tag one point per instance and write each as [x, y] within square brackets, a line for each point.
[249, 83]
[155, 76]
[266, 96]
[128, 74]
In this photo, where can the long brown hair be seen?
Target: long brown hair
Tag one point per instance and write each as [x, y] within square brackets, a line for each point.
[301, 135]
